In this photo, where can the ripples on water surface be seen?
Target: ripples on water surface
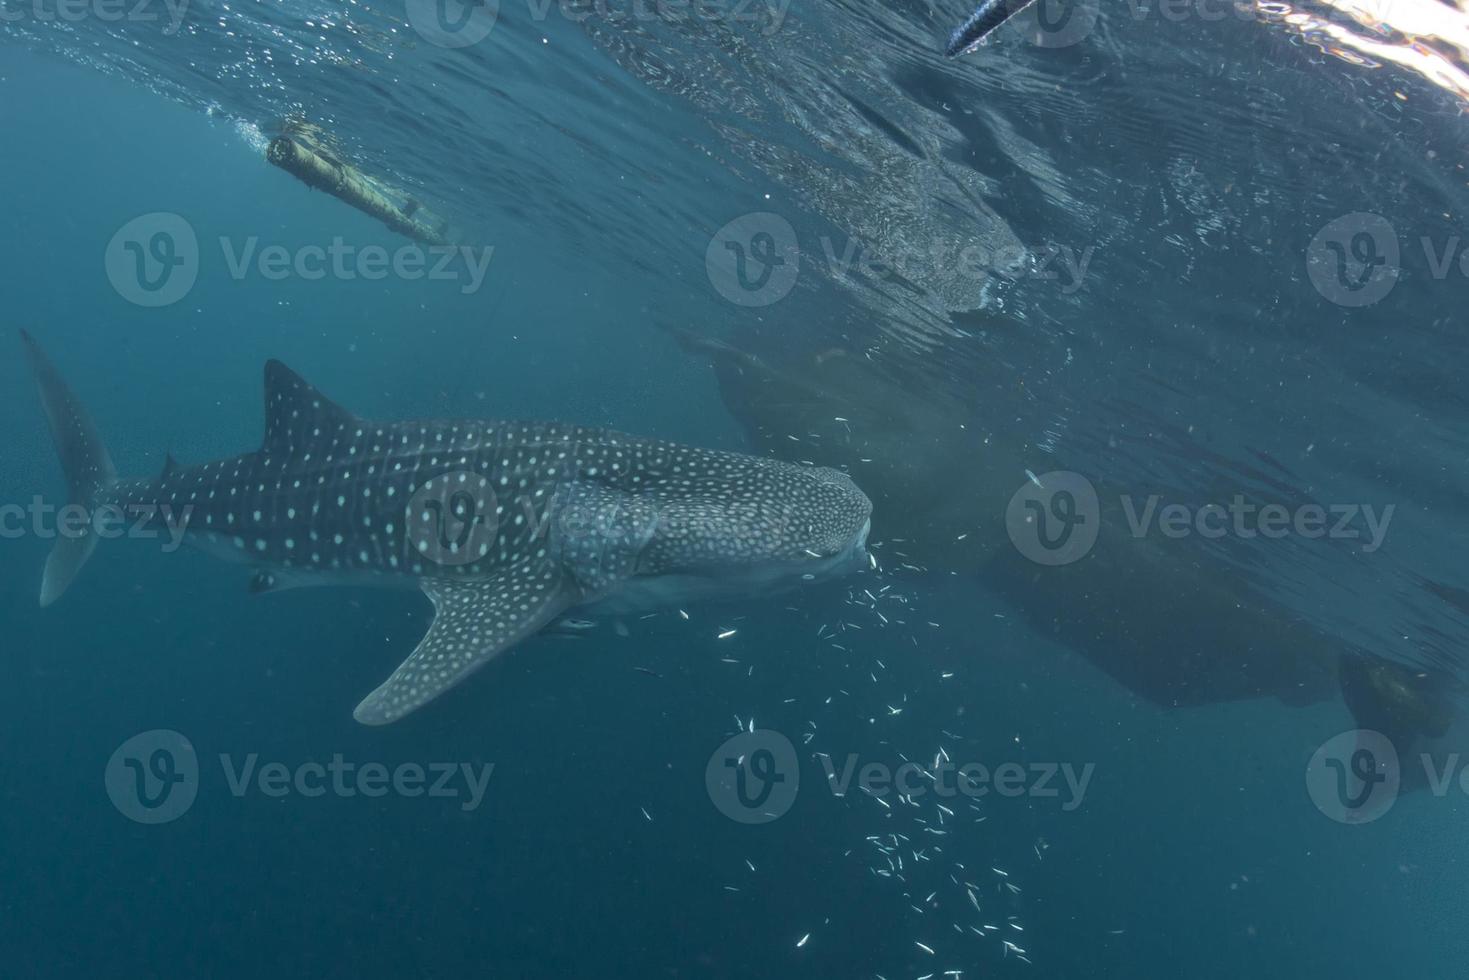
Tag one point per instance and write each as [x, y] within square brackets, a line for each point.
[1192, 153]
[1191, 157]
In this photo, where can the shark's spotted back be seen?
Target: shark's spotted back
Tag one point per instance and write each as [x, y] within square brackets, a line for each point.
[504, 525]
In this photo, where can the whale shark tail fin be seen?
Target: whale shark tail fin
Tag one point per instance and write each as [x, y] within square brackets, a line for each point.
[85, 462]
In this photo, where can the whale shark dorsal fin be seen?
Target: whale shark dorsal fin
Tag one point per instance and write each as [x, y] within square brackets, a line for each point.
[296, 413]
[170, 466]
[473, 622]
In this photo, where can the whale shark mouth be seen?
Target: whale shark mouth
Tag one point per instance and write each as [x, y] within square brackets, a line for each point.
[645, 593]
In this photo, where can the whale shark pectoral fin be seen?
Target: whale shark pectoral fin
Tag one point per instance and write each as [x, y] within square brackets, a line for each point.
[473, 622]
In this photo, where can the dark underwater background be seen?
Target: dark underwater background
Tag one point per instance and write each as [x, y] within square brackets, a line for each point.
[1198, 161]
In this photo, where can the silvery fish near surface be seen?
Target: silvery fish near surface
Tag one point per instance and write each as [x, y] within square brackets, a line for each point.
[505, 526]
[978, 26]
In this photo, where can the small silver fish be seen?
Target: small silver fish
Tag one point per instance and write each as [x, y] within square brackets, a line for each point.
[987, 17]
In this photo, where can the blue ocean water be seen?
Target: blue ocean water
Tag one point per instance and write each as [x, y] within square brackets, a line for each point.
[603, 157]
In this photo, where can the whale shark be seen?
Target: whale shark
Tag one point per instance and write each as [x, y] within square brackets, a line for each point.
[506, 526]
[1174, 630]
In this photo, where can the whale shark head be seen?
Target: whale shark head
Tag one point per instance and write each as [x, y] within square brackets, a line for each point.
[736, 525]
[705, 525]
